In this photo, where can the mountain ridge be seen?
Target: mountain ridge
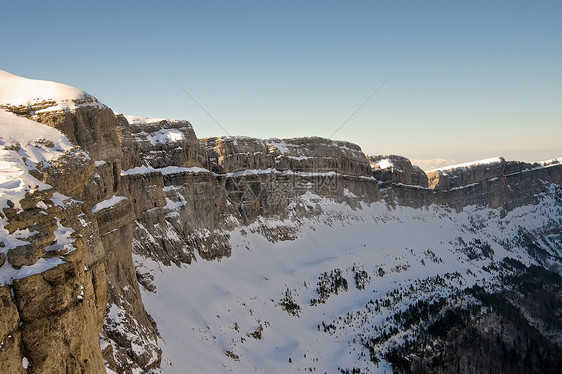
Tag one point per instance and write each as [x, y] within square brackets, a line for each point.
[149, 192]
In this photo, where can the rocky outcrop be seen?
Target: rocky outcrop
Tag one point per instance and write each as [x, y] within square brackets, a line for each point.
[175, 209]
[93, 128]
[161, 143]
[129, 331]
[397, 169]
[62, 305]
[58, 312]
[109, 235]
[269, 177]
[463, 175]
[320, 155]
[53, 314]
[314, 154]
[176, 200]
[184, 210]
[231, 154]
[493, 183]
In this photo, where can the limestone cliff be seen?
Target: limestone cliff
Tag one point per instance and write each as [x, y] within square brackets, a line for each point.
[186, 199]
[161, 143]
[494, 183]
[176, 200]
[72, 262]
[232, 154]
[398, 170]
[52, 303]
[186, 206]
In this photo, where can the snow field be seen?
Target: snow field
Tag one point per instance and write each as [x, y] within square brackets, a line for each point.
[207, 311]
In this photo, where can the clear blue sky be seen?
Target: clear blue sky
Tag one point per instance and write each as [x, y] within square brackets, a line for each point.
[484, 78]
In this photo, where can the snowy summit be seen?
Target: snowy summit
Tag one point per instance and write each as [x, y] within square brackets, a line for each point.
[41, 95]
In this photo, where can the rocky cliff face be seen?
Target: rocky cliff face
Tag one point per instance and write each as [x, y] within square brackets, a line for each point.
[160, 143]
[128, 335]
[494, 183]
[53, 306]
[120, 185]
[76, 234]
[177, 201]
[52, 317]
[398, 170]
[189, 195]
[232, 154]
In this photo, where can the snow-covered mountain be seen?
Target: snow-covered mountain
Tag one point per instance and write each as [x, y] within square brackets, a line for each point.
[145, 249]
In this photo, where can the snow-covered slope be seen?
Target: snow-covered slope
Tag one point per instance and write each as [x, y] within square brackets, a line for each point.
[18, 92]
[35, 142]
[284, 307]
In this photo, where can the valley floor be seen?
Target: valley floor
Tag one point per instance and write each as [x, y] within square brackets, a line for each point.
[329, 300]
